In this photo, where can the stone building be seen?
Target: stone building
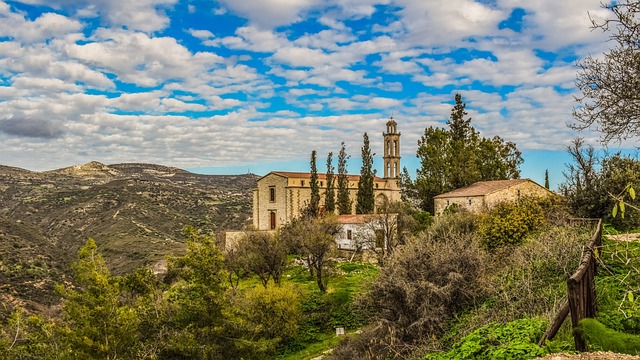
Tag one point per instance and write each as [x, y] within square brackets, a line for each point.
[280, 196]
[483, 195]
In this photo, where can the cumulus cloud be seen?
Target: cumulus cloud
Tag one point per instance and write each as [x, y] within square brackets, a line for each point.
[144, 15]
[270, 13]
[47, 26]
[30, 127]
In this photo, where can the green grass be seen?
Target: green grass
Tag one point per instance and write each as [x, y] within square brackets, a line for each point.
[322, 312]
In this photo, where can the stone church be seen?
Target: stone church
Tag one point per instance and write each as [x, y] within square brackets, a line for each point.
[280, 196]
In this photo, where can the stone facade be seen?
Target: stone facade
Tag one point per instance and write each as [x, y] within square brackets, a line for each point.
[484, 195]
[281, 196]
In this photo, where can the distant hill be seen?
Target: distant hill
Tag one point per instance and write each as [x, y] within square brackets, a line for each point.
[135, 212]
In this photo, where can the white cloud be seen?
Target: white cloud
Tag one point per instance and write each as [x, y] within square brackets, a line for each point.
[270, 13]
[201, 34]
[144, 15]
[47, 26]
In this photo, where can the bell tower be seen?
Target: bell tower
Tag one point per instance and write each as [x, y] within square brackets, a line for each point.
[391, 150]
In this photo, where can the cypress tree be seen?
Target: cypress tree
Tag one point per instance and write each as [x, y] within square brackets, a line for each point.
[365, 201]
[546, 178]
[344, 202]
[330, 196]
[315, 189]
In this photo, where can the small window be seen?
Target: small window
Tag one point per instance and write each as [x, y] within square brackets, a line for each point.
[377, 185]
[302, 182]
[272, 194]
[470, 201]
[349, 235]
[518, 192]
[321, 184]
[272, 219]
[448, 202]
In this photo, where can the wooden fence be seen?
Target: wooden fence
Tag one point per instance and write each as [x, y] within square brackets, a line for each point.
[581, 291]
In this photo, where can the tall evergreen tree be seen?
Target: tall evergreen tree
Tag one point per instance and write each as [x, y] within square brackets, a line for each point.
[314, 203]
[344, 202]
[460, 127]
[365, 200]
[546, 178]
[330, 195]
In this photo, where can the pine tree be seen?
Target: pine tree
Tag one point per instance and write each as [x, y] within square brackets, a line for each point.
[459, 126]
[315, 189]
[546, 178]
[344, 202]
[365, 200]
[330, 195]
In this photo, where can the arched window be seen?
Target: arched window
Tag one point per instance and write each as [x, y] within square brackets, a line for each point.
[272, 194]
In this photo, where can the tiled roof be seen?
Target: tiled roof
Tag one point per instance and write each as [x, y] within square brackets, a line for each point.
[306, 175]
[482, 188]
[358, 218]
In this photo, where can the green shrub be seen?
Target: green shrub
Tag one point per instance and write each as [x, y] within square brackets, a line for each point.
[514, 340]
[510, 222]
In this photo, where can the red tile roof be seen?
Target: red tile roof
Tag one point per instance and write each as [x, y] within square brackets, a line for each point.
[482, 188]
[306, 175]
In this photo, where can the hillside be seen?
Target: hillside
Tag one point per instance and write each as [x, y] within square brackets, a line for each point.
[135, 213]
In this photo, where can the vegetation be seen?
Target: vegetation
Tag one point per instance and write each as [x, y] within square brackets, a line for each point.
[330, 195]
[444, 284]
[509, 223]
[514, 340]
[594, 185]
[458, 156]
[365, 200]
[314, 204]
[344, 201]
[315, 238]
[609, 84]
[602, 338]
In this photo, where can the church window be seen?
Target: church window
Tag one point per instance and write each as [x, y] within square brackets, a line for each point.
[321, 184]
[377, 185]
[470, 201]
[272, 194]
[349, 235]
[302, 182]
[272, 219]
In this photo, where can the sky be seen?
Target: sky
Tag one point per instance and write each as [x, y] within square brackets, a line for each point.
[237, 86]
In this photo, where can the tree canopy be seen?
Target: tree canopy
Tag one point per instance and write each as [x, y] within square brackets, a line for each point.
[458, 156]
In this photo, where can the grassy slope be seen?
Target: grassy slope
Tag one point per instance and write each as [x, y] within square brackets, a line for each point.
[323, 312]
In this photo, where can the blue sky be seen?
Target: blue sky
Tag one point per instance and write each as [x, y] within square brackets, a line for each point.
[232, 86]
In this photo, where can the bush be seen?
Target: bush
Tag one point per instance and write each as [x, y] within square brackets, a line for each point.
[514, 340]
[510, 222]
[421, 288]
